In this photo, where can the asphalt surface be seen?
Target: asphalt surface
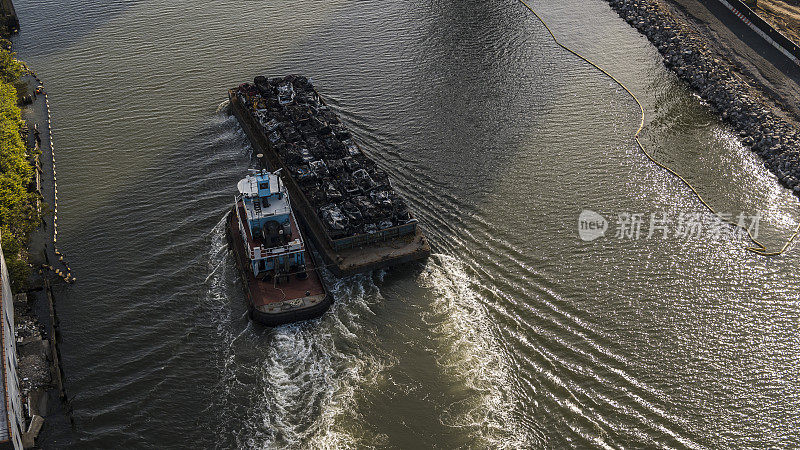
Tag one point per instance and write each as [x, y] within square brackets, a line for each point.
[756, 58]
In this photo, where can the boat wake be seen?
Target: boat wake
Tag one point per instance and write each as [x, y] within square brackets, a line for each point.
[471, 356]
[296, 384]
[223, 107]
[301, 384]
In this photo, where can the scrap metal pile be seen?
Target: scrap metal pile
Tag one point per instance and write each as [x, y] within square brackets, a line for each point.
[347, 190]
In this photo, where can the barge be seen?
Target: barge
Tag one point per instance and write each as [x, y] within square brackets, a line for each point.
[346, 203]
[278, 270]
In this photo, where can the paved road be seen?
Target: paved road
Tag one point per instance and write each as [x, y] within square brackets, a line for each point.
[755, 56]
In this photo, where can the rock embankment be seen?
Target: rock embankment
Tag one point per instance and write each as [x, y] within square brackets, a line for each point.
[35, 369]
[740, 105]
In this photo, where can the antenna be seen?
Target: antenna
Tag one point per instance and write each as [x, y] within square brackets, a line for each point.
[260, 157]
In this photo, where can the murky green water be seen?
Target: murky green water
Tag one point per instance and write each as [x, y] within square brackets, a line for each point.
[515, 333]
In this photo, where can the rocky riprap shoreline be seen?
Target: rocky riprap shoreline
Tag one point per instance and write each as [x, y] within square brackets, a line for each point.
[36, 367]
[33, 349]
[737, 103]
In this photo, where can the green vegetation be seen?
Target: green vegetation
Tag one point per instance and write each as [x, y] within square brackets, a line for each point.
[18, 215]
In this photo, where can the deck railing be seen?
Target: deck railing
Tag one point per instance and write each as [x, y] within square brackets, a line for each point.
[259, 252]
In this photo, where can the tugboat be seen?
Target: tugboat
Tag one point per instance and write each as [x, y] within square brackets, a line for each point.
[278, 270]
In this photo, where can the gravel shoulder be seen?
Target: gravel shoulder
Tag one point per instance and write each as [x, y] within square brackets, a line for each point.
[784, 15]
[755, 61]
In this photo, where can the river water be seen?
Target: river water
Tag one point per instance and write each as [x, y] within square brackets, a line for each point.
[515, 332]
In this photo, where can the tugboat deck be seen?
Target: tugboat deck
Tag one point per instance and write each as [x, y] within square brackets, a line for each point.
[264, 293]
[296, 290]
[272, 304]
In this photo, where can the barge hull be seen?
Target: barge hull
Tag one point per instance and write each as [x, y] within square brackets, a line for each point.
[347, 262]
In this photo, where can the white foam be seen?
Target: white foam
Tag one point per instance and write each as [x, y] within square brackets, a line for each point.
[470, 354]
[223, 107]
[293, 385]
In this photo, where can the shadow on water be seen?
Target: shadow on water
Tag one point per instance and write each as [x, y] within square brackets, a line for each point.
[48, 27]
[160, 278]
[472, 93]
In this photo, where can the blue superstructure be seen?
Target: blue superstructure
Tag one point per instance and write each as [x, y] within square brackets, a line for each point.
[268, 227]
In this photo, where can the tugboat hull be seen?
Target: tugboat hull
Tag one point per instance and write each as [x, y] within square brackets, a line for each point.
[273, 304]
[283, 318]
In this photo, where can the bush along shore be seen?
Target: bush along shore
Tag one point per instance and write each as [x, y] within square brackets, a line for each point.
[740, 105]
[19, 216]
[35, 321]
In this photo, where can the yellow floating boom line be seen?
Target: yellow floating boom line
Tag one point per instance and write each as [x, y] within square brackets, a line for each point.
[758, 248]
[68, 277]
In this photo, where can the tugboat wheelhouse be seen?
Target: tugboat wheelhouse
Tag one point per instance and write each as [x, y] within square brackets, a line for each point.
[276, 247]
